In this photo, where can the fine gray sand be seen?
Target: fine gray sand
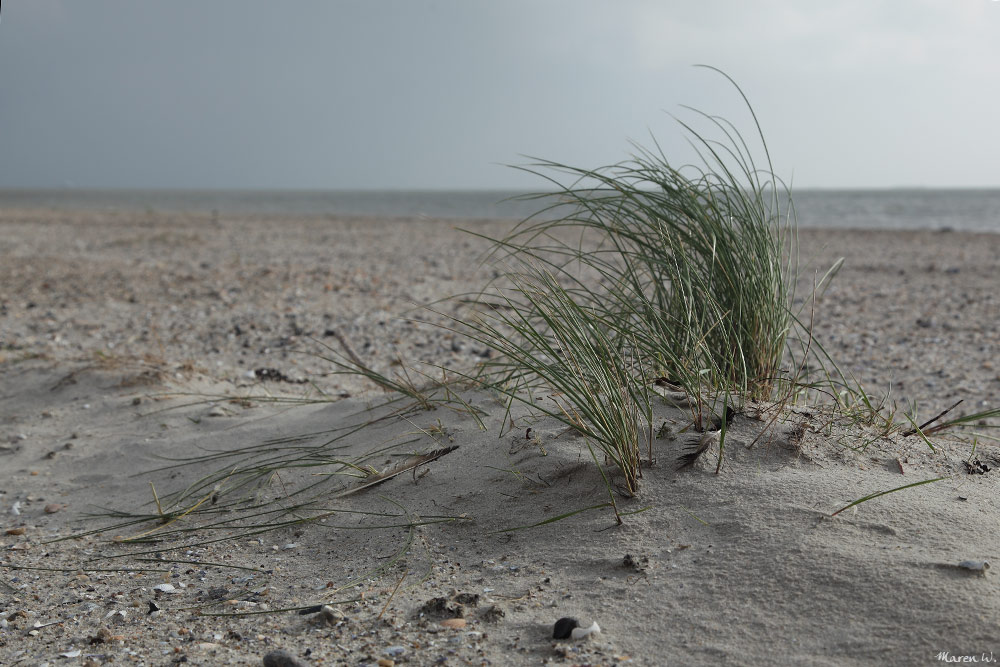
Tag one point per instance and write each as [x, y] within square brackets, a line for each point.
[128, 337]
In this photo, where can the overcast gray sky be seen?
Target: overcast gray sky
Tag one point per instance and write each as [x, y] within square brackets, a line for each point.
[441, 93]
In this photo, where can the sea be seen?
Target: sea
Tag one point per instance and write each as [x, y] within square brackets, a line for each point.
[938, 209]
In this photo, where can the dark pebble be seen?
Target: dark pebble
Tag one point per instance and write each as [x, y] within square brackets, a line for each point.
[564, 628]
[281, 658]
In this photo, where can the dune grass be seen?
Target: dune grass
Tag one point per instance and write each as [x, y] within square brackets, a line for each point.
[643, 271]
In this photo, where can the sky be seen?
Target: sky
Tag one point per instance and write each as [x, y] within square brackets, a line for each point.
[447, 94]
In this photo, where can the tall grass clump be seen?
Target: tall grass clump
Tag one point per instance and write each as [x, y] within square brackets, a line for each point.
[694, 265]
[650, 271]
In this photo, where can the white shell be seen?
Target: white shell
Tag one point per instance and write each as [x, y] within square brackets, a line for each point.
[975, 565]
[580, 633]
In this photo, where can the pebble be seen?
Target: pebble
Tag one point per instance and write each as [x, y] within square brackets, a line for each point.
[979, 566]
[568, 627]
[281, 658]
[454, 623]
[395, 651]
[564, 627]
[330, 615]
[164, 588]
[52, 508]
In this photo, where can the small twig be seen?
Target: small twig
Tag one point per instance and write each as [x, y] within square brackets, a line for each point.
[931, 421]
[410, 465]
[392, 595]
[177, 517]
[159, 508]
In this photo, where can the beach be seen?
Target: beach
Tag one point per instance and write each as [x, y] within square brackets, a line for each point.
[129, 336]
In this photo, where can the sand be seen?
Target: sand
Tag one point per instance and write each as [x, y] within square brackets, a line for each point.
[124, 335]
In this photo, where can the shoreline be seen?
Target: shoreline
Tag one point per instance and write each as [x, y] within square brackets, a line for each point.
[124, 338]
[961, 209]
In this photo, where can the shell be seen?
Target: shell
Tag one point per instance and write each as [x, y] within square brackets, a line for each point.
[580, 633]
[975, 565]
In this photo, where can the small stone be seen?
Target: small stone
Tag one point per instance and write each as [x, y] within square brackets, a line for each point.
[386, 662]
[282, 658]
[564, 628]
[52, 508]
[330, 615]
[454, 623]
[164, 588]
[217, 593]
[19, 530]
[395, 651]
[103, 636]
[493, 614]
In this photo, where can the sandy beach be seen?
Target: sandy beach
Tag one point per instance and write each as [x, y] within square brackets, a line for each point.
[129, 337]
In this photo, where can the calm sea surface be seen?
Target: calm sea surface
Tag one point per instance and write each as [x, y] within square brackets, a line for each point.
[970, 210]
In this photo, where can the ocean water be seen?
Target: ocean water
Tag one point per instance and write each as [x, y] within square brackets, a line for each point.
[966, 210]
